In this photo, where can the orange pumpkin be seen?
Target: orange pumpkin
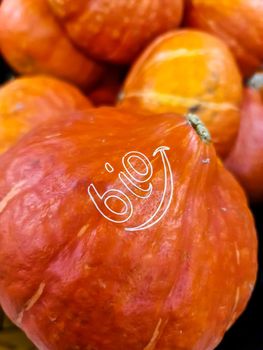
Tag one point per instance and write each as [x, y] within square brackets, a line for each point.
[123, 231]
[246, 157]
[105, 94]
[107, 90]
[189, 70]
[237, 22]
[33, 42]
[28, 101]
[118, 30]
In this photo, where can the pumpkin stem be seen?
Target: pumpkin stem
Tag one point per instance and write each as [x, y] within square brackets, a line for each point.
[199, 127]
[256, 82]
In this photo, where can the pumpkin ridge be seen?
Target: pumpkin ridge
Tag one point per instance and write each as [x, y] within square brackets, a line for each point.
[184, 284]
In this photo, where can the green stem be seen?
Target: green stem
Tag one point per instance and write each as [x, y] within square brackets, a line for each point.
[199, 127]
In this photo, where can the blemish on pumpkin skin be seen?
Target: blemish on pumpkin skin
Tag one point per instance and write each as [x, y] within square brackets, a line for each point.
[237, 297]
[237, 254]
[155, 337]
[82, 231]
[20, 317]
[52, 318]
[52, 136]
[31, 302]
[87, 267]
[18, 107]
[11, 195]
[102, 284]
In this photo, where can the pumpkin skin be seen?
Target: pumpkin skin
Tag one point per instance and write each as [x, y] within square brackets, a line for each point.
[116, 31]
[246, 158]
[189, 70]
[107, 90]
[106, 94]
[237, 22]
[28, 101]
[72, 279]
[32, 42]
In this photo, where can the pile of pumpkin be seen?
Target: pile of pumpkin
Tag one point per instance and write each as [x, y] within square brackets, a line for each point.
[155, 106]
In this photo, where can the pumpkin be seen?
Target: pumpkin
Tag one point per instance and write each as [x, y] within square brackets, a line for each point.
[237, 22]
[123, 231]
[106, 92]
[189, 70]
[28, 101]
[116, 31]
[246, 158]
[33, 42]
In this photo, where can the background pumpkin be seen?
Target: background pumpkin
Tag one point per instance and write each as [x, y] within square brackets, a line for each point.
[189, 70]
[106, 92]
[33, 42]
[28, 101]
[246, 158]
[237, 22]
[178, 284]
[116, 31]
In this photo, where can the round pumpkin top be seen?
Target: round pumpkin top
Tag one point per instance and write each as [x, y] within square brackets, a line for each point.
[123, 231]
[189, 70]
[33, 42]
[31, 100]
[116, 31]
[237, 22]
